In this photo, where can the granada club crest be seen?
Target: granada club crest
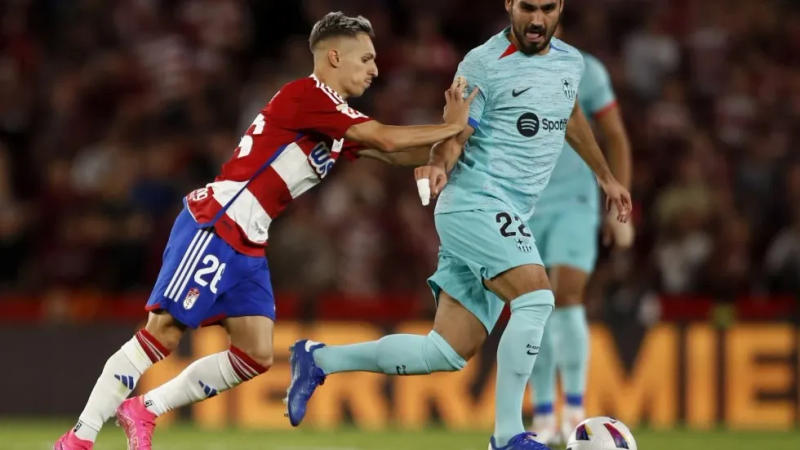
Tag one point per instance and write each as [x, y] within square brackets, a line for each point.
[570, 90]
[191, 297]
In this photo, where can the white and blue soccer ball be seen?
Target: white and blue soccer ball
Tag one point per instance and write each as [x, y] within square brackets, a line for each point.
[601, 433]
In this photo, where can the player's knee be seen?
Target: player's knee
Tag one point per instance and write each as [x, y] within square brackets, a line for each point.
[465, 345]
[466, 352]
[165, 329]
[264, 356]
[534, 307]
[441, 356]
[568, 299]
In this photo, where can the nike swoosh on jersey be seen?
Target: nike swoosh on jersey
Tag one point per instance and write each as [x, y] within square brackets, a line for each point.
[516, 93]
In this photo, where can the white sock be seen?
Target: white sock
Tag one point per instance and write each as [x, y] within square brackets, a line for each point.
[202, 379]
[119, 377]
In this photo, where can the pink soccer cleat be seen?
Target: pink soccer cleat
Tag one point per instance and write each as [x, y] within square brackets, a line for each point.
[71, 442]
[137, 422]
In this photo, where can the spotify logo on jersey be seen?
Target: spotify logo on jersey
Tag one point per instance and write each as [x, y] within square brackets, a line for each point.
[528, 124]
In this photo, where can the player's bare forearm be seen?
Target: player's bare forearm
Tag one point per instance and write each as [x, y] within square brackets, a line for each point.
[392, 138]
[618, 147]
[581, 138]
[446, 153]
[408, 157]
[432, 177]
[418, 135]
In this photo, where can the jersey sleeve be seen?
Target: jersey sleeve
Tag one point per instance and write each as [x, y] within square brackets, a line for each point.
[472, 68]
[320, 110]
[595, 91]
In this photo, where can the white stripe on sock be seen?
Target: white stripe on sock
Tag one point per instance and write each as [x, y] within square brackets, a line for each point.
[252, 370]
[153, 348]
[243, 368]
[136, 354]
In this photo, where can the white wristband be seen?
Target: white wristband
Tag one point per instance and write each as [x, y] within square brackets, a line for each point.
[424, 189]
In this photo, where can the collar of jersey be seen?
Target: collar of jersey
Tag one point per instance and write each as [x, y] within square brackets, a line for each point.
[314, 77]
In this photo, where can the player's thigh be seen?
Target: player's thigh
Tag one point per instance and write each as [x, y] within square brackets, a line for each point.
[498, 249]
[569, 284]
[198, 267]
[461, 278]
[253, 335]
[247, 311]
[518, 281]
[458, 326]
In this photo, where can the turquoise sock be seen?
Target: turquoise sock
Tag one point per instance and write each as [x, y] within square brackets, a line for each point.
[516, 356]
[543, 378]
[572, 336]
[395, 354]
[347, 358]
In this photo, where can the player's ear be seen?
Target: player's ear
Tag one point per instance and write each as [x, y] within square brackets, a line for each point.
[334, 58]
[509, 5]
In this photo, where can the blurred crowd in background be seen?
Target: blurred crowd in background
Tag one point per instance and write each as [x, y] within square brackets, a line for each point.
[111, 111]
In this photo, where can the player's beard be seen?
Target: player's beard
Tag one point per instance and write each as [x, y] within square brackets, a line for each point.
[533, 48]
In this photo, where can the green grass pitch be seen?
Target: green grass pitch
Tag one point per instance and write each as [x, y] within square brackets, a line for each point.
[16, 434]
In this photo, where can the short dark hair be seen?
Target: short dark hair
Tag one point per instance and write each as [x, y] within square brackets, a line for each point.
[338, 24]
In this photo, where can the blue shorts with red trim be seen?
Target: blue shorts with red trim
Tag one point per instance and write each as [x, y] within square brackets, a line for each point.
[203, 279]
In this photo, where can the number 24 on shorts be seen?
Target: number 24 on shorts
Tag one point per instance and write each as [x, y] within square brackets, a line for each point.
[505, 220]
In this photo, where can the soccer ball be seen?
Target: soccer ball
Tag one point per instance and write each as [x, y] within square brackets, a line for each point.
[601, 433]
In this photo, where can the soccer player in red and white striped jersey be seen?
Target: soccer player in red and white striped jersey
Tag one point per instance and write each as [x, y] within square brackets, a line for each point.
[214, 270]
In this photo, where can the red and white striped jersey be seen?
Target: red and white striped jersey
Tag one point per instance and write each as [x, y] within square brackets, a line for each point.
[290, 147]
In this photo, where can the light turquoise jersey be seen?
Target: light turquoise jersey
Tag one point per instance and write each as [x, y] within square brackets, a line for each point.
[520, 119]
[573, 183]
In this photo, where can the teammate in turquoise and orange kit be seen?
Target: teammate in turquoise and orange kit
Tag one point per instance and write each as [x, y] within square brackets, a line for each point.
[565, 228]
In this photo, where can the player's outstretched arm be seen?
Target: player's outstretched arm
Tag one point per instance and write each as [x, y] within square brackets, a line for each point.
[581, 138]
[392, 138]
[407, 157]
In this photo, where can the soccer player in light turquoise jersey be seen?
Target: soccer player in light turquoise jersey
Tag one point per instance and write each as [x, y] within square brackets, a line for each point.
[565, 229]
[525, 108]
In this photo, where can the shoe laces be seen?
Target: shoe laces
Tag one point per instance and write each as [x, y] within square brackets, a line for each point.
[528, 440]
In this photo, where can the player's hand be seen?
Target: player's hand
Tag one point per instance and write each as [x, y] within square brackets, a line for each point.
[616, 233]
[456, 106]
[430, 181]
[618, 196]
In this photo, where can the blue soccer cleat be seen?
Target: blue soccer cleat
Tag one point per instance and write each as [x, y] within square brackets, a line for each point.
[522, 441]
[306, 376]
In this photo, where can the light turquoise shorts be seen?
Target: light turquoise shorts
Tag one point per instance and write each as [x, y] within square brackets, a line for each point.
[567, 238]
[478, 245]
